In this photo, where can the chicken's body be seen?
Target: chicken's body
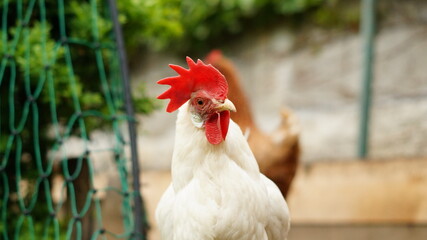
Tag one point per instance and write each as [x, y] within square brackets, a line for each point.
[217, 191]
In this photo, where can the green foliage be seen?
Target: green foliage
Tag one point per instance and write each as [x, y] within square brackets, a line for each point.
[338, 14]
[40, 52]
[80, 20]
[296, 6]
[183, 25]
[153, 23]
[142, 102]
[39, 229]
[32, 60]
[45, 50]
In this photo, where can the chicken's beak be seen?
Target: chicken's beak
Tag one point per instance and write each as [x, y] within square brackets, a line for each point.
[226, 106]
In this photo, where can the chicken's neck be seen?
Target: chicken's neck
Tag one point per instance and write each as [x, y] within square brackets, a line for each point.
[195, 157]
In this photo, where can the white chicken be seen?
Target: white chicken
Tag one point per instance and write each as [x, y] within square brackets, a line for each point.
[217, 191]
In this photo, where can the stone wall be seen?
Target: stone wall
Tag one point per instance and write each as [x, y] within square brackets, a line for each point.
[321, 83]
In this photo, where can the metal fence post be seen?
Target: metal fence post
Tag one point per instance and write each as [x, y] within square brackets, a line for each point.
[368, 34]
[140, 228]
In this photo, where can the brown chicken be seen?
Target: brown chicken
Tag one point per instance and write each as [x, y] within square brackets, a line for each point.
[278, 153]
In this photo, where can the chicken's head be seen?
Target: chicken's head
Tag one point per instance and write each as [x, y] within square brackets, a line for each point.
[206, 90]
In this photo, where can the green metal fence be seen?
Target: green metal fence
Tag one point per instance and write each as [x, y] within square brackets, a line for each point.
[55, 84]
[368, 35]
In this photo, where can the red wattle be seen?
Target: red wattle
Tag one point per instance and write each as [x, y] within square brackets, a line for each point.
[216, 127]
[224, 122]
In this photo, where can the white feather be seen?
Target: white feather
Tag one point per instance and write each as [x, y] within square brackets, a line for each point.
[217, 191]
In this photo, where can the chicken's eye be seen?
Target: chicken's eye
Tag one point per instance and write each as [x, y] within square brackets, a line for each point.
[200, 102]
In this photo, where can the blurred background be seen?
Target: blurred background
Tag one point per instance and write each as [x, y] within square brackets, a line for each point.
[340, 106]
[308, 57]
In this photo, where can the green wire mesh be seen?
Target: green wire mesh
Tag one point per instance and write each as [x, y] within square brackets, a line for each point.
[28, 115]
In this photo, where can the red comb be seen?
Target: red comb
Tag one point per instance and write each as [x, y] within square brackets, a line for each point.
[199, 76]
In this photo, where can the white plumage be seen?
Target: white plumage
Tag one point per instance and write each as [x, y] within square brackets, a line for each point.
[217, 191]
